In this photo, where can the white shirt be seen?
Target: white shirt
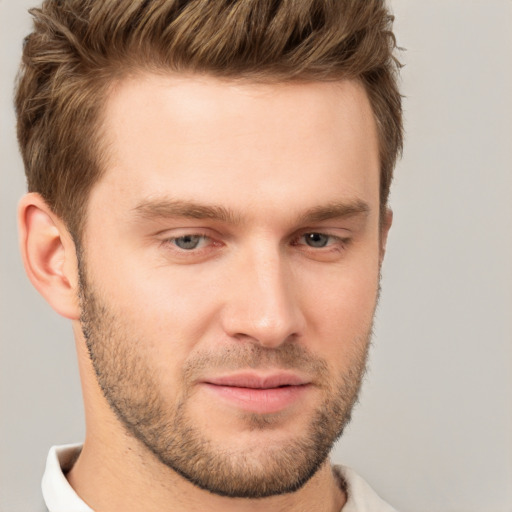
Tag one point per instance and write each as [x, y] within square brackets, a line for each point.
[59, 496]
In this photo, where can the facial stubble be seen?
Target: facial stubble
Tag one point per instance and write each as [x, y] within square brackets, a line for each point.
[165, 429]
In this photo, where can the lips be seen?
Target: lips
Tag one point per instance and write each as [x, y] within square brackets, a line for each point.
[254, 381]
[258, 393]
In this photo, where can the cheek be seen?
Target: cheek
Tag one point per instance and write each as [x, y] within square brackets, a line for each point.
[156, 321]
[357, 297]
[172, 312]
[340, 313]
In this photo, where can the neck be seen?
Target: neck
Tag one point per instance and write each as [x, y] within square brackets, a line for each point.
[111, 477]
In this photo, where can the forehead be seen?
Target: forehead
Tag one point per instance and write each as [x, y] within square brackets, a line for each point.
[202, 138]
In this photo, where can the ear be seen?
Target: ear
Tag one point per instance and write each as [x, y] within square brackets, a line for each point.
[386, 222]
[49, 255]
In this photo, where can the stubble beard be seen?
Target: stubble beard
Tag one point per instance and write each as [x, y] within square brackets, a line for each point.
[166, 429]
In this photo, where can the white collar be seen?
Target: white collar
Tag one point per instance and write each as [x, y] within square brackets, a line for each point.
[360, 496]
[59, 496]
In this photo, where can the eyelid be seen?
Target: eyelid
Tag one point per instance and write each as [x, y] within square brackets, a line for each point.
[337, 241]
[344, 238]
[201, 239]
[192, 233]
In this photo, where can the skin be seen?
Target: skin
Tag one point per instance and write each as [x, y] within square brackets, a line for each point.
[279, 162]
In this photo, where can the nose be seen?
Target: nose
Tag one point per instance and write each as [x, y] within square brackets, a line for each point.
[263, 303]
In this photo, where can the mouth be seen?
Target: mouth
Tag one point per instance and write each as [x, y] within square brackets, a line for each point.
[258, 393]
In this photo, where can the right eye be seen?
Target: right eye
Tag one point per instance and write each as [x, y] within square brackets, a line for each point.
[188, 242]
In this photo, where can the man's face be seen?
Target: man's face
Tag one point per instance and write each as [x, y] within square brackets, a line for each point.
[230, 273]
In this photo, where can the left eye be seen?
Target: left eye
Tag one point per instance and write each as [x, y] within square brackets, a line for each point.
[188, 242]
[317, 240]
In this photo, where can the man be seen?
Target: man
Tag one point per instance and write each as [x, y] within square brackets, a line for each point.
[208, 185]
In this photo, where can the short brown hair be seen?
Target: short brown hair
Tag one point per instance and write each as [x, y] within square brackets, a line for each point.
[78, 48]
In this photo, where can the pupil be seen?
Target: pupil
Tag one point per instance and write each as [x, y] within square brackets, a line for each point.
[316, 239]
[187, 241]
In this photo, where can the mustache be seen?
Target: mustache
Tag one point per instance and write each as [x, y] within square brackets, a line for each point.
[245, 355]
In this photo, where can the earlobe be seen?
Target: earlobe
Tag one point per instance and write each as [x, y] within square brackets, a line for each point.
[49, 255]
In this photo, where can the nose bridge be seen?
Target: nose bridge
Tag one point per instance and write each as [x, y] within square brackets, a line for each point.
[264, 305]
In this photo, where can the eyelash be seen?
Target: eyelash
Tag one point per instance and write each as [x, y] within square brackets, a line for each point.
[171, 241]
[334, 242]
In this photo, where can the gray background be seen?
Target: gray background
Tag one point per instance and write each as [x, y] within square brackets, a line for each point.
[433, 432]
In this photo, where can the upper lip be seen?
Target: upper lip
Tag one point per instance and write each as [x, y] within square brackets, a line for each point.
[258, 381]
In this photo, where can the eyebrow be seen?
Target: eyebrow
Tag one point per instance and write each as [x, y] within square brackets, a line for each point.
[169, 208]
[335, 210]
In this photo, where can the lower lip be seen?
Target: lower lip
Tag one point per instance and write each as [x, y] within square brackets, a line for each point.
[261, 401]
